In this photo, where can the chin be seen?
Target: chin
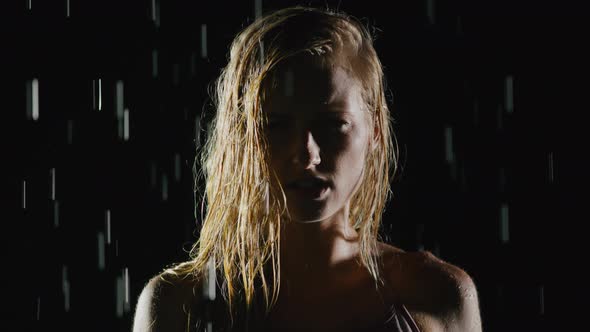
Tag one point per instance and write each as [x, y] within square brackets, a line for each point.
[310, 217]
[306, 220]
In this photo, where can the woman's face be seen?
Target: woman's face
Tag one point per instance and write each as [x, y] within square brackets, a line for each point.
[318, 134]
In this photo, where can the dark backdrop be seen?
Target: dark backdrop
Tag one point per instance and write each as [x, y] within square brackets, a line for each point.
[102, 105]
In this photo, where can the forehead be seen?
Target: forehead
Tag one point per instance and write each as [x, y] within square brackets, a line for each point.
[308, 82]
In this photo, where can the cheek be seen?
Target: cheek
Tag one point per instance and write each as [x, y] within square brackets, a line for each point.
[354, 156]
[356, 142]
[350, 161]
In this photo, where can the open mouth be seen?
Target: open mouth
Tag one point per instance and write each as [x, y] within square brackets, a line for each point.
[309, 187]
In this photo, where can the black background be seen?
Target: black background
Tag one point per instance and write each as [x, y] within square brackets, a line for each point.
[447, 69]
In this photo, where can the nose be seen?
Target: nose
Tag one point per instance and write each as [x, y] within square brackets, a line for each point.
[307, 151]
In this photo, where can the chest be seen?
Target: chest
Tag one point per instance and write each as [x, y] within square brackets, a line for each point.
[351, 308]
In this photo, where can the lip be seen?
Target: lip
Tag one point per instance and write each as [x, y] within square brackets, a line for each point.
[315, 193]
[309, 178]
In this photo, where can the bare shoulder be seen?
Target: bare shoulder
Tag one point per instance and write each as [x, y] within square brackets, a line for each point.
[166, 302]
[441, 296]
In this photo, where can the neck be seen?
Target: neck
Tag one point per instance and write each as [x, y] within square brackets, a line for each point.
[314, 250]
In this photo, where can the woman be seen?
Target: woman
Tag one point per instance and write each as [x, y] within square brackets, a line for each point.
[297, 169]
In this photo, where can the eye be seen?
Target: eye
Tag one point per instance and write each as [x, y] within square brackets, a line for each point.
[338, 124]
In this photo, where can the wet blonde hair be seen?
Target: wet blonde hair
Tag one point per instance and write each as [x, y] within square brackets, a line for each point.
[241, 228]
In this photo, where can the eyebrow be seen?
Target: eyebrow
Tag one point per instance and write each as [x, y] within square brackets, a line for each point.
[323, 108]
[337, 103]
[320, 113]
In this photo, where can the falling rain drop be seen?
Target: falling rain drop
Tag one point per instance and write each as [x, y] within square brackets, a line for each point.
[126, 288]
[155, 11]
[257, 9]
[449, 156]
[52, 175]
[203, 41]
[164, 187]
[67, 8]
[261, 52]
[97, 94]
[65, 286]
[154, 63]
[29, 4]
[33, 99]
[119, 102]
[210, 281]
[509, 94]
[101, 251]
[120, 295]
[120, 128]
[122, 292]
[24, 194]
[107, 217]
[126, 125]
[430, 10]
[504, 223]
[67, 297]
